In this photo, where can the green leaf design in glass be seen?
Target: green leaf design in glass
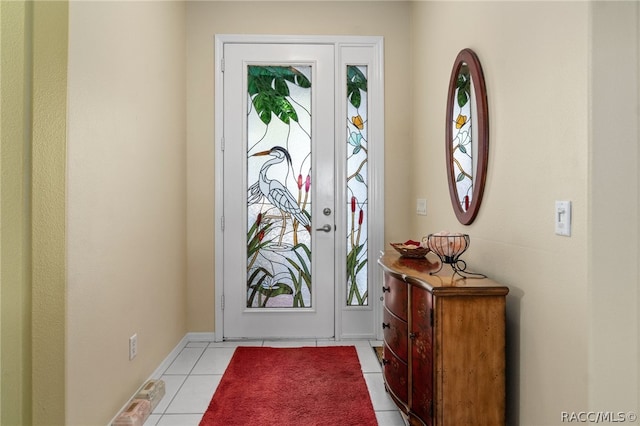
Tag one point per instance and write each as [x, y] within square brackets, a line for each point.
[463, 84]
[269, 90]
[356, 81]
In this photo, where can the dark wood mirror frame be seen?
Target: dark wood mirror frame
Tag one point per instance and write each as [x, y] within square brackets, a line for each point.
[481, 120]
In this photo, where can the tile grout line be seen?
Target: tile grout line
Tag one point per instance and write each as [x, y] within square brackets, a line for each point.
[179, 387]
[186, 376]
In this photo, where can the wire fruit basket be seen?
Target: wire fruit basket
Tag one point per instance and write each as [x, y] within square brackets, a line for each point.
[449, 248]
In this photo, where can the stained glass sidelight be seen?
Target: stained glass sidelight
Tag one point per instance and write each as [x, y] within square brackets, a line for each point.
[462, 138]
[357, 186]
[279, 187]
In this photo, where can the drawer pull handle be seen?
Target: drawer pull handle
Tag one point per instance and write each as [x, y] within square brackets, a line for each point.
[385, 362]
[387, 289]
[386, 325]
[413, 335]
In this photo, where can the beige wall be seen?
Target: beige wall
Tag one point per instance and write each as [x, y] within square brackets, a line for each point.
[48, 210]
[614, 212]
[572, 341]
[204, 21]
[556, 99]
[15, 220]
[34, 57]
[126, 199]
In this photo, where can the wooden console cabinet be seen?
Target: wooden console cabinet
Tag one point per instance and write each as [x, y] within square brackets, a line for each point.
[444, 343]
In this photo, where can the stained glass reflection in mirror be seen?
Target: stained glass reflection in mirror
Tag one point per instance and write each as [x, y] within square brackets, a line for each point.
[462, 138]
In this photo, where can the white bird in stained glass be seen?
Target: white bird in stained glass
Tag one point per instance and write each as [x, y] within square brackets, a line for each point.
[275, 191]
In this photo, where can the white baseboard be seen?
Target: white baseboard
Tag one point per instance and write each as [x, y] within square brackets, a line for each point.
[201, 337]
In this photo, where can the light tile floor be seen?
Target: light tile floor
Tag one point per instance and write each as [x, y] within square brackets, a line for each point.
[192, 378]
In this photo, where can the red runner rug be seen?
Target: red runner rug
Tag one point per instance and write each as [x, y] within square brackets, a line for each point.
[292, 386]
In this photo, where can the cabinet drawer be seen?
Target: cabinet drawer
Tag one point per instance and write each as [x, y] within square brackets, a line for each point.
[395, 296]
[395, 374]
[395, 334]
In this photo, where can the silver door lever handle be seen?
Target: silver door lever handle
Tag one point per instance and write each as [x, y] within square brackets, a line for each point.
[325, 228]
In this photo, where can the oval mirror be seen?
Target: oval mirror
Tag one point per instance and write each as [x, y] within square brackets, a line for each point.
[467, 136]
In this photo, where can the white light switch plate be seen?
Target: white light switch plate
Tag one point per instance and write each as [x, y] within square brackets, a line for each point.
[563, 218]
[421, 206]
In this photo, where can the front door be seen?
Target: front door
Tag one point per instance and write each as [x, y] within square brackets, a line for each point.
[295, 240]
[279, 190]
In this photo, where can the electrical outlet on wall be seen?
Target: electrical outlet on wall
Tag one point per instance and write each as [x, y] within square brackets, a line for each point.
[133, 346]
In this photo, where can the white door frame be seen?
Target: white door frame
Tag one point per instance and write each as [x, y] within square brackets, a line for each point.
[343, 315]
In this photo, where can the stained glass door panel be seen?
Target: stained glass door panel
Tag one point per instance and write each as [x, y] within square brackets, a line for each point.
[279, 177]
[278, 174]
[357, 186]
